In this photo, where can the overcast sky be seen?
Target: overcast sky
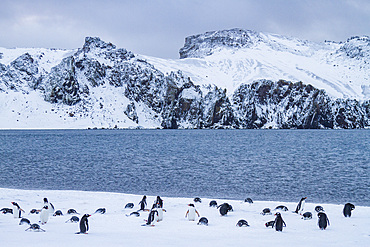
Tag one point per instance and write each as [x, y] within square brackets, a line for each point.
[159, 27]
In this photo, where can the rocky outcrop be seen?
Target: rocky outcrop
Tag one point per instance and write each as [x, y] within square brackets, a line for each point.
[171, 101]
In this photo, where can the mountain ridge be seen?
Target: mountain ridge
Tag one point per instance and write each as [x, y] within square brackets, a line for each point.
[100, 85]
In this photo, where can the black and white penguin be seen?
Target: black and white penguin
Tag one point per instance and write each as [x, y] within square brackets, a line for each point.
[152, 217]
[191, 212]
[73, 219]
[25, 221]
[35, 228]
[137, 214]
[84, 224]
[279, 223]
[307, 216]
[142, 204]
[129, 205]
[34, 211]
[266, 211]
[6, 211]
[249, 200]
[203, 221]
[100, 211]
[44, 215]
[159, 202]
[225, 208]
[50, 206]
[300, 206]
[58, 213]
[323, 220]
[282, 208]
[72, 211]
[197, 199]
[319, 209]
[270, 223]
[242, 223]
[348, 207]
[213, 203]
[17, 211]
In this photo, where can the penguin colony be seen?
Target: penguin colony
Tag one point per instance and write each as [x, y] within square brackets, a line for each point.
[156, 214]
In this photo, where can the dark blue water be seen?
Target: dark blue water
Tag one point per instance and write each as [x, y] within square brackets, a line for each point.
[330, 166]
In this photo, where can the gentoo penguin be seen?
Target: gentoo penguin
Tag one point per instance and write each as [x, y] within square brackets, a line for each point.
[6, 211]
[249, 200]
[348, 207]
[58, 213]
[307, 216]
[266, 211]
[270, 223]
[137, 214]
[197, 199]
[35, 228]
[84, 224]
[225, 208]
[323, 220]
[160, 213]
[50, 206]
[191, 212]
[319, 209]
[279, 223]
[152, 217]
[100, 211]
[25, 221]
[17, 211]
[300, 205]
[213, 203]
[129, 205]
[242, 223]
[282, 208]
[159, 202]
[72, 211]
[203, 221]
[142, 203]
[73, 219]
[44, 215]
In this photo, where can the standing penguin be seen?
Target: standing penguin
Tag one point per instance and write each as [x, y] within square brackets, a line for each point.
[278, 223]
[348, 207]
[300, 206]
[152, 217]
[84, 224]
[323, 220]
[159, 202]
[50, 206]
[191, 212]
[17, 211]
[160, 213]
[142, 203]
[44, 215]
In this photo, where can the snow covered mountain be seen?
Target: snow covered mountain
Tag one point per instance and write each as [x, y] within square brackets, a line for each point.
[225, 79]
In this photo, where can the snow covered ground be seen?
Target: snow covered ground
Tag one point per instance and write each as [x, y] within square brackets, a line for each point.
[116, 229]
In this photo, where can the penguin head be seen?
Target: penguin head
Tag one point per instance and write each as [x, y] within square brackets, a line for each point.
[87, 215]
[277, 214]
[46, 207]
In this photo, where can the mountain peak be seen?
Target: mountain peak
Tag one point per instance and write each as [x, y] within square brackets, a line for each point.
[96, 42]
[202, 45]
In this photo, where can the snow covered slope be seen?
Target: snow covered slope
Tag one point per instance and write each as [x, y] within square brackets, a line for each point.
[225, 79]
[230, 58]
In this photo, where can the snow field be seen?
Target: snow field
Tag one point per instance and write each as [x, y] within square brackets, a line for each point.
[116, 229]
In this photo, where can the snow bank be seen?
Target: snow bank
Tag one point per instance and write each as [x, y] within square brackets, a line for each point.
[116, 229]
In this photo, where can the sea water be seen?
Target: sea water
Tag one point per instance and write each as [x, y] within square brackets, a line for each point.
[327, 166]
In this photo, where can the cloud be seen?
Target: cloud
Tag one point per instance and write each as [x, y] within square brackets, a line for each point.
[159, 27]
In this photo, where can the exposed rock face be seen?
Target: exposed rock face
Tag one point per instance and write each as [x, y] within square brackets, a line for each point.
[266, 104]
[171, 101]
[205, 44]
